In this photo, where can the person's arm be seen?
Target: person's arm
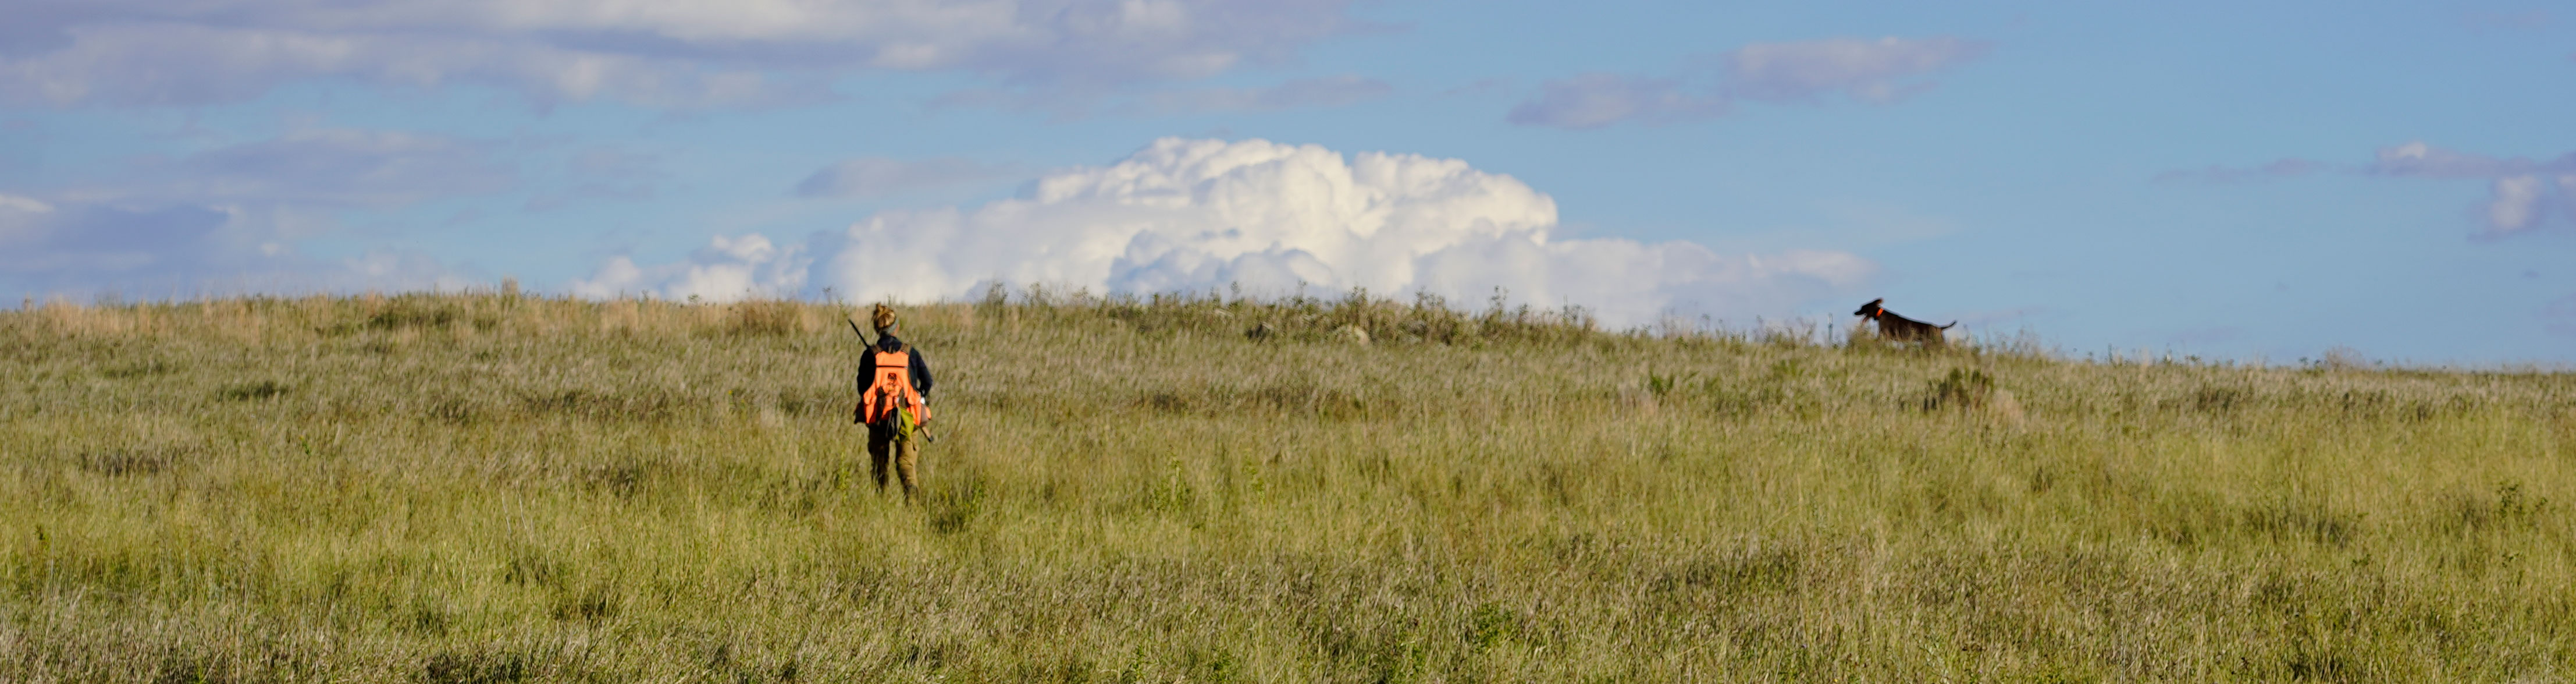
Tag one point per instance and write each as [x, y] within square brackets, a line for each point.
[867, 370]
[920, 373]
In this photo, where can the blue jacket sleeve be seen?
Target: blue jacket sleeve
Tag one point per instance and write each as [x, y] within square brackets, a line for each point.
[920, 372]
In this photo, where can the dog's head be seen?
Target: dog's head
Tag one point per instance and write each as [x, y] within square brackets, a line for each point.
[1872, 309]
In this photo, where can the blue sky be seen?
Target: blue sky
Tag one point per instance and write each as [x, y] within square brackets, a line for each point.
[2233, 181]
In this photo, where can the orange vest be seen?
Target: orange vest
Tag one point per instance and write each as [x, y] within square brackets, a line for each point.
[893, 388]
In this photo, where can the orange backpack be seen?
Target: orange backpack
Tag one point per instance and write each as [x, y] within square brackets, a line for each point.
[892, 389]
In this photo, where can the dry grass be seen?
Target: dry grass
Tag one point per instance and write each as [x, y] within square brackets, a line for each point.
[496, 488]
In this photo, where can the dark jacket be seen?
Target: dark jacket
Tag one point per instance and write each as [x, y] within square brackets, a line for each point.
[888, 343]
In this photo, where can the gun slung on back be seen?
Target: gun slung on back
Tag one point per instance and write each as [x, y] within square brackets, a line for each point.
[924, 427]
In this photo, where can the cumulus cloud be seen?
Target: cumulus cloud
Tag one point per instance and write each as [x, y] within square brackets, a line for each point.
[1878, 71]
[882, 176]
[1196, 215]
[686, 53]
[229, 219]
[731, 268]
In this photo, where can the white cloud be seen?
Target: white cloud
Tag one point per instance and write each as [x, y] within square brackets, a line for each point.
[22, 219]
[682, 53]
[2520, 192]
[729, 269]
[2520, 203]
[1874, 71]
[2514, 204]
[1196, 215]
[24, 204]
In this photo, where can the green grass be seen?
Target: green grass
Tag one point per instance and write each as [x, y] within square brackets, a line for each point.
[494, 488]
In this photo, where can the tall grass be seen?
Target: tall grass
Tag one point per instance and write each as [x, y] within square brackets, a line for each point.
[494, 488]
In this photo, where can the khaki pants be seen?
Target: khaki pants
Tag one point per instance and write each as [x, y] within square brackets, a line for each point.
[883, 447]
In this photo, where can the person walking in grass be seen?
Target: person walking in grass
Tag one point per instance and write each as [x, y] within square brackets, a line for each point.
[894, 400]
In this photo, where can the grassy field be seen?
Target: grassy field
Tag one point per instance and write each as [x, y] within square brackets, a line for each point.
[496, 488]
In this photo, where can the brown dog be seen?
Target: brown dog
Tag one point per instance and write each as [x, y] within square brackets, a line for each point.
[1900, 328]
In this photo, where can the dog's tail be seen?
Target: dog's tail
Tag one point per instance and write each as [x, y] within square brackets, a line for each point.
[1947, 327]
